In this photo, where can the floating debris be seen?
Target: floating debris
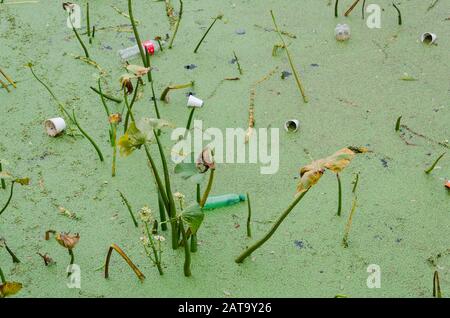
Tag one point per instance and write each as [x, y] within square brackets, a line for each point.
[54, 126]
[190, 66]
[285, 74]
[240, 32]
[342, 32]
[291, 125]
[428, 38]
[194, 102]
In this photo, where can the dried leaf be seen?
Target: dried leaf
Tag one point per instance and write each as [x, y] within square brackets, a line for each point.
[138, 70]
[9, 289]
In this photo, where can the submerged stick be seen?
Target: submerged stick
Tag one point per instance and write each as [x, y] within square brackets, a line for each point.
[434, 164]
[294, 70]
[347, 13]
[269, 234]
[116, 248]
[15, 259]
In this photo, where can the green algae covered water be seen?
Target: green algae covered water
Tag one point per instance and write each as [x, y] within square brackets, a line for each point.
[357, 89]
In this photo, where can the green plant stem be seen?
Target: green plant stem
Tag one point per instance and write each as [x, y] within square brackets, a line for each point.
[204, 35]
[269, 234]
[349, 223]
[187, 252]
[336, 4]
[198, 195]
[97, 149]
[72, 259]
[162, 212]
[136, 33]
[116, 248]
[249, 217]
[2, 276]
[111, 98]
[436, 286]
[355, 183]
[397, 124]
[194, 246]
[150, 77]
[112, 139]
[339, 194]
[294, 70]
[434, 164]
[177, 25]
[11, 253]
[208, 188]
[88, 22]
[399, 13]
[130, 210]
[1, 179]
[173, 87]
[130, 106]
[364, 9]
[191, 116]
[157, 260]
[9, 198]
[238, 64]
[86, 53]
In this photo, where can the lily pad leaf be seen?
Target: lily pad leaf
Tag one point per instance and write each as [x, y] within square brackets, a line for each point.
[193, 216]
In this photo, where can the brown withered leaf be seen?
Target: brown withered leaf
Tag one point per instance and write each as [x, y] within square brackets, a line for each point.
[9, 289]
[67, 240]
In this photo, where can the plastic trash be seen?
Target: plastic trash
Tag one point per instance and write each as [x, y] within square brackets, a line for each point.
[342, 32]
[151, 46]
[194, 102]
[291, 125]
[428, 38]
[55, 126]
[221, 201]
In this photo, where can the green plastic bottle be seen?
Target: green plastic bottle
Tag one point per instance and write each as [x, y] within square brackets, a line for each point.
[220, 201]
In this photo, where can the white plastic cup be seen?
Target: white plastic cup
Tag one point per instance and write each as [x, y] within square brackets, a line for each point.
[342, 32]
[55, 126]
[194, 102]
[291, 125]
[428, 38]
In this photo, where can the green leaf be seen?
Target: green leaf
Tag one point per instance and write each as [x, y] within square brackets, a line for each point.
[132, 140]
[193, 216]
[189, 170]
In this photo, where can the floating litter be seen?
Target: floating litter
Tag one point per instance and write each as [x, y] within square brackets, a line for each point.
[291, 125]
[428, 38]
[194, 102]
[342, 32]
[55, 126]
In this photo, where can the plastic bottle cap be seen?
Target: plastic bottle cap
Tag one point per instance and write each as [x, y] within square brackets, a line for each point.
[149, 46]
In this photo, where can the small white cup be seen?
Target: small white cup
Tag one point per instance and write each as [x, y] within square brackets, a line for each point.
[194, 102]
[428, 38]
[342, 32]
[291, 125]
[55, 126]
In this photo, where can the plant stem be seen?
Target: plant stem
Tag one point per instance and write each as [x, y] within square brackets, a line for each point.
[130, 106]
[111, 98]
[336, 4]
[363, 9]
[155, 103]
[194, 247]
[126, 258]
[97, 149]
[177, 25]
[191, 116]
[136, 33]
[436, 286]
[11, 253]
[237, 63]
[162, 211]
[130, 210]
[434, 164]
[9, 199]
[9, 79]
[399, 13]
[114, 137]
[86, 53]
[198, 193]
[204, 35]
[157, 260]
[347, 13]
[88, 22]
[269, 234]
[249, 217]
[349, 223]
[296, 75]
[187, 252]
[172, 87]
[355, 183]
[397, 124]
[2, 276]
[1, 179]
[339, 195]
[208, 188]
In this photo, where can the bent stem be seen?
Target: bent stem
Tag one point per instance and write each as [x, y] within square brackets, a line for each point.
[97, 149]
[72, 259]
[173, 87]
[249, 217]
[111, 98]
[434, 164]
[336, 4]
[347, 13]
[339, 195]
[9, 198]
[238, 64]
[177, 25]
[269, 234]
[11, 253]
[436, 286]
[294, 70]
[127, 204]
[187, 252]
[116, 248]
[86, 53]
[399, 13]
[129, 106]
[206, 33]
[397, 124]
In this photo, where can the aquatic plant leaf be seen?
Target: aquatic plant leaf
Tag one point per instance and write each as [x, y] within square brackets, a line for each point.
[132, 140]
[308, 179]
[9, 289]
[23, 181]
[138, 70]
[339, 160]
[193, 216]
[188, 170]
